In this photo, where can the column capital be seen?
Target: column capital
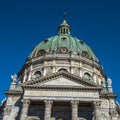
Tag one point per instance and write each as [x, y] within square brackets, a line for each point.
[96, 104]
[26, 102]
[74, 103]
[48, 103]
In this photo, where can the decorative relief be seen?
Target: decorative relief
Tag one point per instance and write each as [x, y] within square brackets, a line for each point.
[49, 70]
[113, 113]
[87, 66]
[97, 104]
[76, 64]
[104, 117]
[7, 110]
[76, 71]
[48, 63]
[112, 104]
[63, 94]
[104, 104]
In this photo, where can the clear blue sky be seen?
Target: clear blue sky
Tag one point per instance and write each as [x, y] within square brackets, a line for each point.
[24, 23]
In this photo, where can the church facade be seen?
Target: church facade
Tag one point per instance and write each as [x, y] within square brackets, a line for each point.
[61, 80]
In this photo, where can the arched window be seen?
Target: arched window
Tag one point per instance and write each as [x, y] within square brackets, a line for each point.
[87, 76]
[67, 31]
[62, 70]
[64, 31]
[37, 74]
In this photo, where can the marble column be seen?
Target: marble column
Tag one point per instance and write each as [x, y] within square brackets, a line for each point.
[74, 105]
[96, 105]
[48, 106]
[25, 107]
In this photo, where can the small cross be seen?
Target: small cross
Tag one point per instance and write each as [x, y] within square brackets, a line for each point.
[65, 15]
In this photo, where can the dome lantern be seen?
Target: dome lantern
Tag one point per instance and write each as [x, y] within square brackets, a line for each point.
[64, 28]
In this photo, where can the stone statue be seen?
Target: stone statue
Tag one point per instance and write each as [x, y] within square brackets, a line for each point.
[14, 78]
[109, 82]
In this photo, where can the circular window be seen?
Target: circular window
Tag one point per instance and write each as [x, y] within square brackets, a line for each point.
[63, 49]
[40, 53]
[85, 54]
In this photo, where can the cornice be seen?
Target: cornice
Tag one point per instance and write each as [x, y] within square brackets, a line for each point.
[61, 88]
[13, 92]
[63, 57]
[109, 95]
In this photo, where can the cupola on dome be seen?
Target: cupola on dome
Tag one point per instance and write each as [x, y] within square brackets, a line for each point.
[63, 43]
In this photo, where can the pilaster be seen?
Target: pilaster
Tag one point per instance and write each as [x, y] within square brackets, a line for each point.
[25, 107]
[97, 114]
[7, 111]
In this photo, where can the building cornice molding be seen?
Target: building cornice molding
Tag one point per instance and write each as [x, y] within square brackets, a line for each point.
[13, 92]
[61, 88]
[63, 57]
[109, 95]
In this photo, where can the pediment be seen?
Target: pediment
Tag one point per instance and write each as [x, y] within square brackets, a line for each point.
[61, 79]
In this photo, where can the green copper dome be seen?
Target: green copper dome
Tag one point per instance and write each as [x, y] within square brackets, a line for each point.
[63, 43]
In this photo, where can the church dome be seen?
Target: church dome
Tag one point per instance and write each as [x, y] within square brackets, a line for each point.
[62, 53]
[63, 43]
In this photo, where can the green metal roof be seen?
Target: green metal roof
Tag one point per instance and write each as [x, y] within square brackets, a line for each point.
[67, 41]
[63, 40]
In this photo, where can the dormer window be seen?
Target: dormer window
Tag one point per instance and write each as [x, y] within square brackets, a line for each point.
[85, 54]
[63, 50]
[40, 53]
[63, 38]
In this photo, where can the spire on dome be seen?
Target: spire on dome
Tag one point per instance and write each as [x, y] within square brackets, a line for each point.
[64, 28]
